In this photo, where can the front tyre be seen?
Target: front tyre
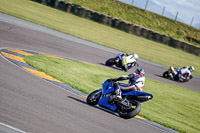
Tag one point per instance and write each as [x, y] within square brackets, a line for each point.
[131, 112]
[110, 62]
[166, 74]
[93, 98]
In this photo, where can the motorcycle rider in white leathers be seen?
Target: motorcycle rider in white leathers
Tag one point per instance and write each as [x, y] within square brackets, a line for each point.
[126, 59]
[182, 71]
[136, 82]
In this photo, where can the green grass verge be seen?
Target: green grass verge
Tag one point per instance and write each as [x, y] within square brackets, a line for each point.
[141, 17]
[172, 106]
[98, 33]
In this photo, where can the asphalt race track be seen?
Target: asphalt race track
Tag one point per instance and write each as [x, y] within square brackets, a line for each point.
[36, 106]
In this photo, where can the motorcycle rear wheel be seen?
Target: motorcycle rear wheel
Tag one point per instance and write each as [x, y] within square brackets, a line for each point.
[130, 113]
[125, 69]
[93, 98]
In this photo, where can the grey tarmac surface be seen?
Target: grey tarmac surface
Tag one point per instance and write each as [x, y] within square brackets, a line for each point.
[34, 105]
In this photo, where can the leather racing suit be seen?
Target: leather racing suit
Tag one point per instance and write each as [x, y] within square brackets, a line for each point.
[136, 82]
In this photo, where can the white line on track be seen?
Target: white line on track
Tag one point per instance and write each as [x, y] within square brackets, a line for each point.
[5, 128]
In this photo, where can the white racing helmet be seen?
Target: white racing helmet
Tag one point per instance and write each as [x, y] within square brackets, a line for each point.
[191, 68]
[135, 56]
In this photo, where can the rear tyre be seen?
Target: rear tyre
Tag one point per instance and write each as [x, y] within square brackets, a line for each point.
[125, 69]
[94, 97]
[176, 78]
[130, 113]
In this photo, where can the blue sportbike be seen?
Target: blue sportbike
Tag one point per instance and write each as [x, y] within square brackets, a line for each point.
[128, 108]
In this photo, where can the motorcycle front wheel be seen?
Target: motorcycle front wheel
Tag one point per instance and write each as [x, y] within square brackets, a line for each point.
[93, 98]
[165, 74]
[131, 112]
[110, 62]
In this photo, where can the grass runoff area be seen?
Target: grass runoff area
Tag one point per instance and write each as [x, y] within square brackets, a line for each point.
[172, 106]
[141, 17]
[98, 33]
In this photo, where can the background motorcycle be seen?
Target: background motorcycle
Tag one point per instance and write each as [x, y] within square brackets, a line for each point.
[130, 107]
[177, 77]
[117, 61]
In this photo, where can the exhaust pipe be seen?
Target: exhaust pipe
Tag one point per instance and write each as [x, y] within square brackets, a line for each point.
[144, 97]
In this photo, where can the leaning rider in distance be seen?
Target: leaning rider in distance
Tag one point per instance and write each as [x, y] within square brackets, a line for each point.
[185, 70]
[129, 58]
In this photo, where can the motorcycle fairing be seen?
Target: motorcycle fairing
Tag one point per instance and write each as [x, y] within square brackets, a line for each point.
[129, 64]
[104, 103]
[186, 74]
[183, 75]
[137, 93]
[120, 57]
[106, 92]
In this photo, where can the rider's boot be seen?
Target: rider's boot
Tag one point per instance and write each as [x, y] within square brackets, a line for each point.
[171, 76]
[119, 98]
